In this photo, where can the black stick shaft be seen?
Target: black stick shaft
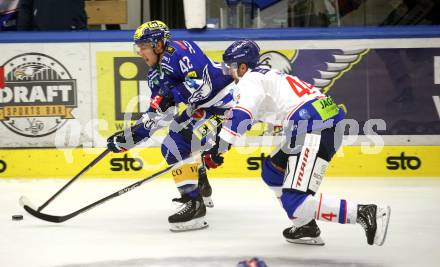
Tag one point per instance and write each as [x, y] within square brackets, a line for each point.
[90, 165]
[59, 219]
[118, 193]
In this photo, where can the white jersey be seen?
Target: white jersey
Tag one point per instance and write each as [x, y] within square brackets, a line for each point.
[270, 96]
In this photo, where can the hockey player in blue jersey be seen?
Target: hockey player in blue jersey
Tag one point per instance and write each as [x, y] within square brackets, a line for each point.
[312, 137]
[179, 73]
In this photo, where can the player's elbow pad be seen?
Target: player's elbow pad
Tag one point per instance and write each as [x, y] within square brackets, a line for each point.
[240, 122]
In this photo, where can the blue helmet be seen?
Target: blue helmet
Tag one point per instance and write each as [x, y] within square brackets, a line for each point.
[242, 51]
[254, 262]
[152, 32]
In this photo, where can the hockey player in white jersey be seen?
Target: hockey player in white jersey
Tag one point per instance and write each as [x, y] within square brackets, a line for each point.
[312, 137]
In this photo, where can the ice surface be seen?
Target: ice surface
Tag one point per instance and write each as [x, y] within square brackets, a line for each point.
[247, 221]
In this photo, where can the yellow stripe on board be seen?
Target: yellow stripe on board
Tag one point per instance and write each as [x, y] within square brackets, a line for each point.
[392, 161]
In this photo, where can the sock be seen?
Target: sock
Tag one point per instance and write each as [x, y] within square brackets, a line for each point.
[332, 209]
[186, 178]
[325, 208]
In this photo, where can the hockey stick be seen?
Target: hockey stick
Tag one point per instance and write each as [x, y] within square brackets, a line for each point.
[27, 205]
[86, 168]
[90, 165]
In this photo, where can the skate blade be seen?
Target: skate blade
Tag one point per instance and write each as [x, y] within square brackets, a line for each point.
[313, 241]
[192, 225]
[208, 202]
[383, 219]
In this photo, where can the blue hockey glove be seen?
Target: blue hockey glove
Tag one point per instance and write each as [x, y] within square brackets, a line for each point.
[116, 142]
[121, 141]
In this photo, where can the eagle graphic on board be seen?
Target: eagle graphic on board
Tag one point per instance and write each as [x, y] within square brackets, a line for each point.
[29, 71]
[318, 67]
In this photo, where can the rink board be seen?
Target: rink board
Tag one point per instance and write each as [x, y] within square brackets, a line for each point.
[391, 161]
[384, 77]
[100, 88]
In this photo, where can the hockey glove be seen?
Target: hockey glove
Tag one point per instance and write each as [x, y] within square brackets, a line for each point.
[212, 160]
[162, 102]
[121, 141]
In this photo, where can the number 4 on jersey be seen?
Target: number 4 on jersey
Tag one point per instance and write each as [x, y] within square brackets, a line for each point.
[328, 216]
[300, 88]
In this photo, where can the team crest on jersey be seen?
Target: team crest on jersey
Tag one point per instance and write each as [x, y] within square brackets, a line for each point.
[170, 50]
[39, 95]
[304, 114]
[191, 74]
[200, 89]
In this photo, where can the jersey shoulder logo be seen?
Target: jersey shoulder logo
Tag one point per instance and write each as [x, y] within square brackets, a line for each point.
[170, 50]
[200, 89]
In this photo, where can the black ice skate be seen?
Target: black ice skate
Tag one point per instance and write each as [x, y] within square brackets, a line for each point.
[375, 221]
[308, 234]
[181, 200]
[205, 187]
[190, 217]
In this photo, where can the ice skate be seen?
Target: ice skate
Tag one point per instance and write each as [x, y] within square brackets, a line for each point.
[375, 221]
[308, 234]
[181, 200]
[205, 188]
[190, 217]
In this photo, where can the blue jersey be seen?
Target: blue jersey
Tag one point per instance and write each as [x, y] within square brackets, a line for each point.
[188, 74]
[192, 78]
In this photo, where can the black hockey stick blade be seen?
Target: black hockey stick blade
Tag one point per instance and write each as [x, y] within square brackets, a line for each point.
[30, 208]
[27, 205]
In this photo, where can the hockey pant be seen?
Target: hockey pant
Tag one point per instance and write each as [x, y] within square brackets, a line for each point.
[295, 171]
[187, 135]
